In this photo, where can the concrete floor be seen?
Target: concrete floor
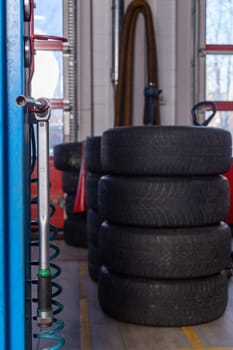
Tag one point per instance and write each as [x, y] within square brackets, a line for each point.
[88, 328]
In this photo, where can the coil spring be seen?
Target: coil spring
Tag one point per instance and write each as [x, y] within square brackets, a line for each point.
[51, 333]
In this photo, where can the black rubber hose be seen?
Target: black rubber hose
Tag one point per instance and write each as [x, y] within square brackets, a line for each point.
[124, 91]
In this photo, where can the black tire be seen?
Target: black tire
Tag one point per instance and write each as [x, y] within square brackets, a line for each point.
[92, 154]
[93, 271]
[166, 253]
[94, 221]
[69, 204]
[93, 255]
[92, 181]
[162, 302]
[70, 181]
[67, 156]
[166, 150]
[75, 231]
[93, 262]
[164, 201]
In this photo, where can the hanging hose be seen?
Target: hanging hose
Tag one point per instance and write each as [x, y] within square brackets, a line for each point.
[124, 90]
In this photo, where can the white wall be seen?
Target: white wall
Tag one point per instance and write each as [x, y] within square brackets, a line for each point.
[165, 27]
[184, 92]
[84, 63]
[165, 24]
[102, 89]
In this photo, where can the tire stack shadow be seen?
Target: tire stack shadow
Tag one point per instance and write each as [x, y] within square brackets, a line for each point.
[67, 158]
[163, 245]
[94, 219]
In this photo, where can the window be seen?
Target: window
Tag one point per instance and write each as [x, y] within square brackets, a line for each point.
[47, 80]
[217, 58]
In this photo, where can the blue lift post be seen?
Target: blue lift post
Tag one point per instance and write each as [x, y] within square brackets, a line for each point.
[2, 187]
[14, 184]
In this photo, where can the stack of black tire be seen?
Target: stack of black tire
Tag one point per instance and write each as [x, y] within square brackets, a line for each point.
[94, 220]
[67, 158]
[164, 246]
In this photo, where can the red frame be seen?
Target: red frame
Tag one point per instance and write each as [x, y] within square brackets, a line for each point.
[224, 49]
[224, 105]
[219, 48]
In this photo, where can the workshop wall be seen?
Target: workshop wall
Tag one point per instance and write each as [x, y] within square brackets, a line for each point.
[164, 13]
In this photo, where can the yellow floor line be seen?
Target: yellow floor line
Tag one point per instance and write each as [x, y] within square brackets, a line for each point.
[196, 342]
[84, 312]
[193, 338]
[229, 348]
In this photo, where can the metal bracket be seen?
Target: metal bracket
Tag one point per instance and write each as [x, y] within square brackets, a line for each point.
[27, 10]
[27, 52]
[66, 49]
[202, 52]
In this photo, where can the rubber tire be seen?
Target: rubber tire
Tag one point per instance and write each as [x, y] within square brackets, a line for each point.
[69, 204]
[75, 231]
[165, 252]
[93, 262]
[166, 303]
[93, 271]
[70, 181]
[67, 156]
[94, 221]
[166, 150]
[92, 154]
[92, 182]
[164, 201]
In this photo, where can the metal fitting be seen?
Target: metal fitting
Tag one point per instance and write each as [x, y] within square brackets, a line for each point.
[44, 318]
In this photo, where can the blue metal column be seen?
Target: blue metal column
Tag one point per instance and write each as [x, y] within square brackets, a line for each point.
[14, 159]
[3, 296]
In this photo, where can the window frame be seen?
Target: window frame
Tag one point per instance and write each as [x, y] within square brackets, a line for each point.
[204, 49]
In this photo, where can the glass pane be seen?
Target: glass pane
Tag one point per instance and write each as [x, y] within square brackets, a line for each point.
[48, 76]
[219, 82]
[223, 119]
[55, 129]
[219, 22]
[48, 17]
